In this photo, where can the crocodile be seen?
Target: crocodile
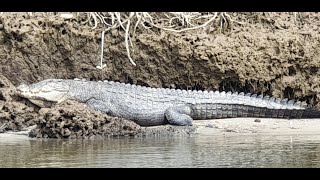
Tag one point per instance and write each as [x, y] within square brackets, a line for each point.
[158, 106]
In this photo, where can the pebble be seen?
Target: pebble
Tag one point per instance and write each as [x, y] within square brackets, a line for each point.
[257, 120]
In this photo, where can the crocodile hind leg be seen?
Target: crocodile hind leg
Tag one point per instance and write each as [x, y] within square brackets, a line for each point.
[179, 115]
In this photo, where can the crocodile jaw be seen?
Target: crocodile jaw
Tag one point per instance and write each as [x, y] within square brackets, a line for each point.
[40, 97]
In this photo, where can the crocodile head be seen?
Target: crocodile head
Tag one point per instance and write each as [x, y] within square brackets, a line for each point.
[45, 93]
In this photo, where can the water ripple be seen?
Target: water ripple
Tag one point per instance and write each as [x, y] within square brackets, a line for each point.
[199, 151]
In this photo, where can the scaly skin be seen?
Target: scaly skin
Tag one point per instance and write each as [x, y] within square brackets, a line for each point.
[157, 106]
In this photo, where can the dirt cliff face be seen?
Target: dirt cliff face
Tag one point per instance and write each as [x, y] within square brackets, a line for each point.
[273, 53]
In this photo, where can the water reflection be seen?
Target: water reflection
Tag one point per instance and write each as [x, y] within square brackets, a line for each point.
[197, 151]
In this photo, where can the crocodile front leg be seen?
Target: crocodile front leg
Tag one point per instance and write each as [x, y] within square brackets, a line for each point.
[99, 105]
[179, 115]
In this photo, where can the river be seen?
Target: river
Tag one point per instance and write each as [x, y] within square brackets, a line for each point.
[201, 150]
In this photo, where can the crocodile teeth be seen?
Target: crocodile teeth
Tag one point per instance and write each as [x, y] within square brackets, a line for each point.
[260, 96]
[248, 94]
[241, 94]
[229, 93]
[278, 100]
[266, 97]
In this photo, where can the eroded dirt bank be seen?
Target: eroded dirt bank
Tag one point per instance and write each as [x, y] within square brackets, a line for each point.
[273, 53]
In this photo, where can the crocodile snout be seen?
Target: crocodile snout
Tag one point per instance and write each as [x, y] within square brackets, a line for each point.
[22, 87]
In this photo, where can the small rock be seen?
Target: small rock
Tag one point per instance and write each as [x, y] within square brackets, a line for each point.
[209, 126]
[62, 124]
[3, 126]
[67, 133]
[229, 130]
[257, 120]
[43, 111]
[1, 104]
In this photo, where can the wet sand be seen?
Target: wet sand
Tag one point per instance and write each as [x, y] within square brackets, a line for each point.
[229, 126]
[259, 126]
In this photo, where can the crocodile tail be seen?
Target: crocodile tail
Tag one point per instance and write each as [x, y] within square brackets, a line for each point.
[217, 111]
[287, 113]
[310, 113]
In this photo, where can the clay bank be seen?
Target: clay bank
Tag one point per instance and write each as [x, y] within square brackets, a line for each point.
[275, 54]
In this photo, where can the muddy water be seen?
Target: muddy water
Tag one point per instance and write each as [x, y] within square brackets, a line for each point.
[198, 151]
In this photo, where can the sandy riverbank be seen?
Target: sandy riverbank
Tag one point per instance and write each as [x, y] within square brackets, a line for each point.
[254, 126]
[229, 126]
[241, 126]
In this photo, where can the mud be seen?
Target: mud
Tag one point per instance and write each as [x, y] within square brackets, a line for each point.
[14, 115]
[272, 53]
[75, 120]
[169, 130]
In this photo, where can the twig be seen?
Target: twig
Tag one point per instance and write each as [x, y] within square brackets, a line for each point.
[101, 57]
[188, 21]
[95, 20]
[127, 44]
[196, 27]
[228, 16]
